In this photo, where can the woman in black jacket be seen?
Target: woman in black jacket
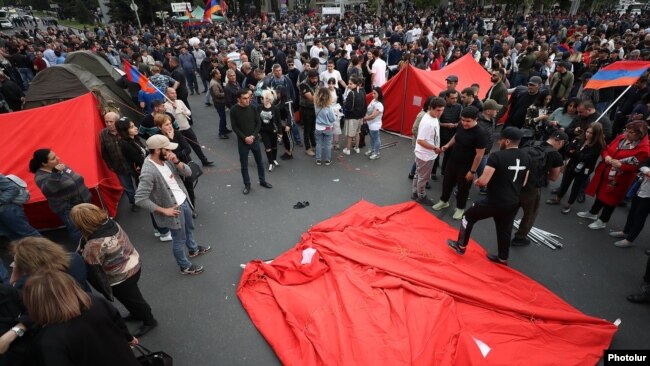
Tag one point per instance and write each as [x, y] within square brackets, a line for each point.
[135, 151]
[164, 123]
[583, 154]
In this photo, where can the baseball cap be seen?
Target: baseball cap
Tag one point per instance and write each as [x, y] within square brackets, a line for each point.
[491, 104]
[160, 142]
[452, 78]
[560, 136]
[512, 133]
[535, 80]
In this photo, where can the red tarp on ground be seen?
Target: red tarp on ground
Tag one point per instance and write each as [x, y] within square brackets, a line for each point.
[71, 129]
[384, 289]
[405, 93]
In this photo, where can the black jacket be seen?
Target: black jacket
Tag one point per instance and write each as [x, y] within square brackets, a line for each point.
[355, 104]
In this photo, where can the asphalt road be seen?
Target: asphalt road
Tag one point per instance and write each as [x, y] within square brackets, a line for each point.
[201, 319]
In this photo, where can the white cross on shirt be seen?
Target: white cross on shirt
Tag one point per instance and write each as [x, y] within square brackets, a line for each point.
[516, 168]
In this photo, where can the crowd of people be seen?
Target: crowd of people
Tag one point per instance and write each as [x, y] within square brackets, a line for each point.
[273, 80]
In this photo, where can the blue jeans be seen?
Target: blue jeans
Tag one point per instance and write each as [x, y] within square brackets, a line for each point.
[192, 83]
[521, 79]
[375, 141]
[221, 111]
[14, 223]
[127, 183]
[184, 237]
[481, 165]
[244, 150]
[295, 131]
[27, 75]
[324, 140]
[74, 233]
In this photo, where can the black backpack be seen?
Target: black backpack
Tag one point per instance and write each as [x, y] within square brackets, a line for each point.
[538, 156]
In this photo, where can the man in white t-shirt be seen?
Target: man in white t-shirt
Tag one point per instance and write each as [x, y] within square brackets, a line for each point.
[378, 70]
[332, 73]
[162, 192]
[316, 49]
[427, 148]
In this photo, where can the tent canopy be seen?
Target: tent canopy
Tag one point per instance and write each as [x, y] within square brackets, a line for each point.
[379, 286]
[67, 81]
[71, 129]
[406, 92]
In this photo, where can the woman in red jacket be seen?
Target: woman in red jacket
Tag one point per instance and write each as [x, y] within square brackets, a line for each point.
[615, 173]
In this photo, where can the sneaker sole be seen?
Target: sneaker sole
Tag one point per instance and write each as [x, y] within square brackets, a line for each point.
[192, 273]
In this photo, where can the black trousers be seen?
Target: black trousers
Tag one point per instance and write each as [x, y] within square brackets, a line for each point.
[503, 216]
[444, 159]
[639, 211]
[128, 293]
[607, 210]
[308, 120]
[577, 179]
[455, 177]
[191, 138]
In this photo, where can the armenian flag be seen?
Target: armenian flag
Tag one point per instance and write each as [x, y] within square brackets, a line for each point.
[224, 7]
[620, 73]
[134, 76]
[211, 7]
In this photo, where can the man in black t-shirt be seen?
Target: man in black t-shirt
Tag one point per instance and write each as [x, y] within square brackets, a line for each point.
[469, 146]
[449, 121]
[504, 176]
[532, 192]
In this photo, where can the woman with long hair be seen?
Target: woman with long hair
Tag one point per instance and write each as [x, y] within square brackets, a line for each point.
[164, 123]
[106, 244]
[271, 127]
[583, 155]
[77, 328]
[615, 172]
[562, 117]
[325, 119]
[135, 151]
[373, 119]
[62, 187]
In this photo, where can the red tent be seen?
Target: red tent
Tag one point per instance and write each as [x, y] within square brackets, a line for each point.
[71, 129]
[405, 93]
[379, 286]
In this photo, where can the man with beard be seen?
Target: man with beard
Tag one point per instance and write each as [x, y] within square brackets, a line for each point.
[448, 123]
[504, 176]
[498, 91]
[519, 103]
[307, 90]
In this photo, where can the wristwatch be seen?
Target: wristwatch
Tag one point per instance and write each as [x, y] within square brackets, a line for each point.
[19, 331]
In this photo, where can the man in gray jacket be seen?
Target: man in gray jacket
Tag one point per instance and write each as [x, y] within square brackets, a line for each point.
[162, 192]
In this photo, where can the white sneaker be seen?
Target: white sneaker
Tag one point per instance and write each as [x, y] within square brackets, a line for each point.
[624, 243]
[275, 162]
[374, 157]
[166, 237]
[357, 150]
[458, 214]
[368, 153]
[597, 225]
[618, 234]
[587, 215]
[346, 151]
[440, 205]
[271, 166]
[156, 233]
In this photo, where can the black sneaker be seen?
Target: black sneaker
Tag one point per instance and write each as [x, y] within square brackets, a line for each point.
[453, 244]
[192, 270]
[200, 251]
[328, 162]
[425, 201]
[145, 328]
[517, 242]
[494, 258]
[411, 176]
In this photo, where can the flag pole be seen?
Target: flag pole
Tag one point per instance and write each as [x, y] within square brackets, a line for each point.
[613, 103]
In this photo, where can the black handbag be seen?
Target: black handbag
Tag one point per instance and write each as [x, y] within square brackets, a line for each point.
[148, 358]
[196, 172]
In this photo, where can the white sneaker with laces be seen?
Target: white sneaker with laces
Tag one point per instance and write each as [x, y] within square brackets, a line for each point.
[597, 225]
[346, 151]
[587, 215]
[368, 153]
[357, 150]
[374, 156]
[166, 237]
[271, 166]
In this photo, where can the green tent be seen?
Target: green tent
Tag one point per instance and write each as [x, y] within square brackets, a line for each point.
[197, 16]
